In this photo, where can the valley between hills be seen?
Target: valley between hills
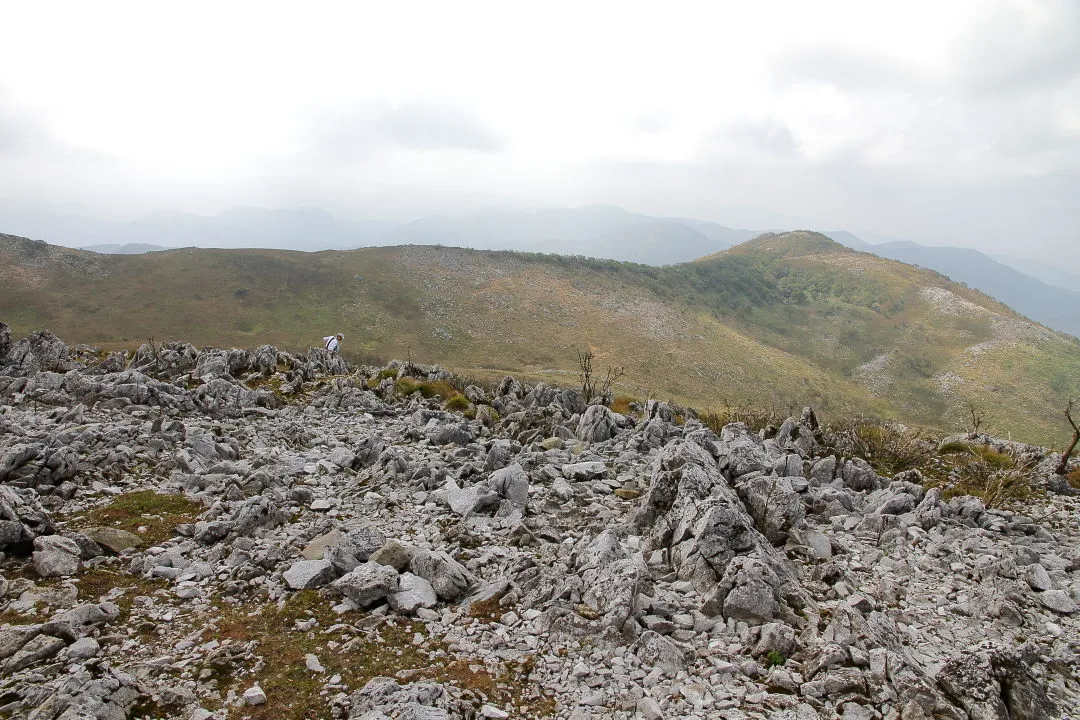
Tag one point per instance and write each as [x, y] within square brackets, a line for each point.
[778, 322]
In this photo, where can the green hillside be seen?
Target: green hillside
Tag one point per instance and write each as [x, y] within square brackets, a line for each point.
[777, 322]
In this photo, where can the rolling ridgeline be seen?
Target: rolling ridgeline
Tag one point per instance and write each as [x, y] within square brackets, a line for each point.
[778, 322]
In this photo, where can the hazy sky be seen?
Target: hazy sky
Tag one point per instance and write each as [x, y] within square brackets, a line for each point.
[945, 121]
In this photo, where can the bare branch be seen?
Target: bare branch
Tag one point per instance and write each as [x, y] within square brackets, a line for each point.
[1063, 466]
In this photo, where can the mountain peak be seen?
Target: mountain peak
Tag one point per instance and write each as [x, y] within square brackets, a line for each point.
[795, 243]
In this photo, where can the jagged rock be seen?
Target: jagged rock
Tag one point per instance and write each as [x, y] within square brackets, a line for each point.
[56, 556]
[742, 452]
[394, 554]
[611, 590]
[657, 651]
[468, 500]
[748, 591]
[499, 455]
[995, 683]
[774, 505]
[5, 342]
[642, 568]
[692, 512]
[316, 548]
[255, 695]
[15, 457]
[449, 578]
[342, 457]
[858, 475]
[597, 424]
[309, 574]
[40, 352]
[361, 542]
[511, 483]
[823, 471]
[384, 697]
[452, 434]
[775, 637]
[83, 649]
[368, 583]
[413, 593]
[1058, 601]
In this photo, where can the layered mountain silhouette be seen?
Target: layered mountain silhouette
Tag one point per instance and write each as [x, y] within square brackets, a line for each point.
[781, 320]
[597, 231]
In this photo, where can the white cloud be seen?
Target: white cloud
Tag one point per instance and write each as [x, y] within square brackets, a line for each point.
[205, 104]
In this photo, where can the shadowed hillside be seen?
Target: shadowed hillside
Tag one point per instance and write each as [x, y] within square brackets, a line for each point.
[780, 320]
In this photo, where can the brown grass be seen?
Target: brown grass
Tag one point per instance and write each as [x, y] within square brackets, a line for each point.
[388, 649]
[621, 404]
[157, 512]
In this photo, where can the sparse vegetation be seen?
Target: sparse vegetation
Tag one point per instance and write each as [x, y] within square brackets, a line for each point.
[621, 404]
[457, 403]
[393, 647]
[996, 487]
[593, 387]
[1063, 466]
[99, 582]
[979, 452]
[151, 515]
[774, 658]
[438, 388]
[756, 419]
[890, 448]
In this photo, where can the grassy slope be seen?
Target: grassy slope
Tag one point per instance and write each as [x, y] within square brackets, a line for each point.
[780, 321]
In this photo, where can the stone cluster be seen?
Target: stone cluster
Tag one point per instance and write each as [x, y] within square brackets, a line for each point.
[640, 565]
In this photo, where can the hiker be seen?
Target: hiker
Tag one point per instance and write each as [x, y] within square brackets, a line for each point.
[332, 342]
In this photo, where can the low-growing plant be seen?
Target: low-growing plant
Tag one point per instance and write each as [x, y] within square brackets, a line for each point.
[457, 403]
[158, 513]
[774, 658]
[755, 419]
[890, 448]
[390, 648]
[981, 452]
[437, 388]
[996, 487]
[621, 404]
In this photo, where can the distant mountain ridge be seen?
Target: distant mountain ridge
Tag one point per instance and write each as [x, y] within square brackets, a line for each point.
[1053, 306]
[603, 231]
[783, 319]
[599, 231]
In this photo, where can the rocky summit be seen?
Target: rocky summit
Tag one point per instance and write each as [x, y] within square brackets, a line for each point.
[213, 533]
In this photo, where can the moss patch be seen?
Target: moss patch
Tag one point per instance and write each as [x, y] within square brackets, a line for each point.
[95, 583]
[390, 647]
[158, 513]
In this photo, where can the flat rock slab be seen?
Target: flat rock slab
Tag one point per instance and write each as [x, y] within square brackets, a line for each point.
[112, 539]
[309, 574]
[316, 549]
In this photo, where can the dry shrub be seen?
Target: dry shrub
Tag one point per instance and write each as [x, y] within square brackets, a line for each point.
[995, 486]
[890, 448]
[756, 419]
[621, 404]
[976, 451]
[457, 403]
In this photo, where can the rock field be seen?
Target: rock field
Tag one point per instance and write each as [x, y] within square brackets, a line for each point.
[214, 533]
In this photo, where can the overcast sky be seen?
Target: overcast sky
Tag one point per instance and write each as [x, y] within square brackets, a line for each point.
[945, 121]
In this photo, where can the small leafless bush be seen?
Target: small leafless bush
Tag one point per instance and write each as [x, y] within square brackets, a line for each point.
[890, 448]
[996, 487]
[593, 387]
